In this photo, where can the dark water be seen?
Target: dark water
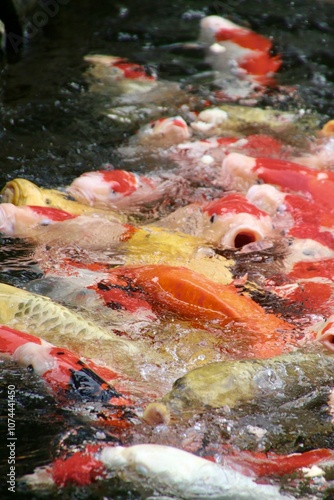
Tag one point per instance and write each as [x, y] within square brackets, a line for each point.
[52, 130]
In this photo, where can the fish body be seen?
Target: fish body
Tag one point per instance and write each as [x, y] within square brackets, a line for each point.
[192, 296]
[23, 192]
[300, 216]
[164, 132]
[165, 469]
[230, 383]
[18, 221]
[53, 322]
[287, 175]
[121, 190]
[238, 53]
[68, 376]
[118, 75]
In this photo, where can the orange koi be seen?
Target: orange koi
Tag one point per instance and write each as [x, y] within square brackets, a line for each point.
[191, 296]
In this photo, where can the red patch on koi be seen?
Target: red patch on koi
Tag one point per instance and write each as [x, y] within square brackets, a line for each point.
[55, 214]
[244, 38]
[232, 203]
[120, 181]
[82, 468]
[132, 71]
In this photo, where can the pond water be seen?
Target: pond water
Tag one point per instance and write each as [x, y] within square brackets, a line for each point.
[52, 129]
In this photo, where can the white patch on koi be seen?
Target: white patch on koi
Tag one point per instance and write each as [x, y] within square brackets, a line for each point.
[183, 474]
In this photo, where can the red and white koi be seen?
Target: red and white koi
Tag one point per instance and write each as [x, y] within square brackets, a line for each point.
[120, 189]
[119, 74]
[301, 217]
[233, 222]
[241, 171]
[165, 469]
[240, 53]
[68, 376]
[18, 221]
[164, 132]
[51, 226]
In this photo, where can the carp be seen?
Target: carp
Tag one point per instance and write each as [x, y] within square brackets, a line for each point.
[166, 469]
[122, 190]
[23, 192]
[190, 295]
[68, 376]
[241, 56]
[230, 222]
[53, 322]
[231, 383]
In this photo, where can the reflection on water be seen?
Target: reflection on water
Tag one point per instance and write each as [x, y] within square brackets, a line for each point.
[52, 130]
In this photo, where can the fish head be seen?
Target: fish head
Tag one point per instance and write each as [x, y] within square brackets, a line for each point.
[233, 222]
[22, 192]
[104, 186]
[211, 25]
[165, 131]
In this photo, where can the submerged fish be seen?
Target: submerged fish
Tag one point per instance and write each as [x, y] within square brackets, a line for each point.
[290, 128]
[231, 383]
[23, 192]
[165, 469]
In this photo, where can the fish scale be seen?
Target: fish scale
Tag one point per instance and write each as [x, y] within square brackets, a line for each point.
[50, 321]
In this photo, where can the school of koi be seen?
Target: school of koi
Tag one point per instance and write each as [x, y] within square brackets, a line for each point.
[139, 253]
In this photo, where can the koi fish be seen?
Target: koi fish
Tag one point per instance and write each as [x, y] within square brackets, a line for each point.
[200, 161]
[23, 192]
[191, 296]
[165, 469]
[233, 222]
[40, 316]
[240, 170]
[236, 120]
[19, 221]
[68, 376]
[118, 74]
[238, 52]
[231, 383]
[119, 189]
[164, 132]
[301, 217]
[230, 221]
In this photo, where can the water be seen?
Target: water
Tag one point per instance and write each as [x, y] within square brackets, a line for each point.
[52, 130]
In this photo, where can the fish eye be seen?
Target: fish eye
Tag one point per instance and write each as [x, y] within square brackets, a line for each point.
[213, 218]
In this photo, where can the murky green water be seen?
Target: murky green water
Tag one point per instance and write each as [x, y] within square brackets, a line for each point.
[52, 129]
